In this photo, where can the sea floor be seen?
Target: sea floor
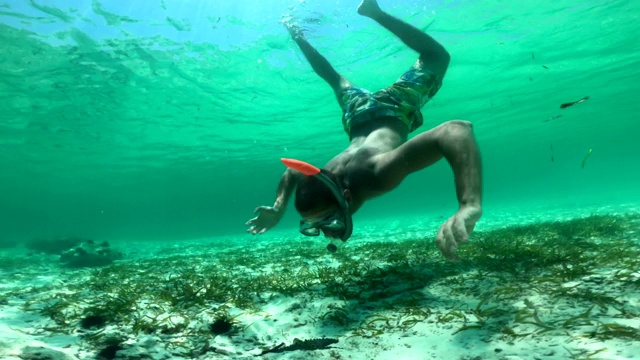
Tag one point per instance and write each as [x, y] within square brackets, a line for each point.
[548, 286]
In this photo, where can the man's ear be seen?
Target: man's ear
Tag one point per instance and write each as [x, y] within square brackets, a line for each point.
[347, 195]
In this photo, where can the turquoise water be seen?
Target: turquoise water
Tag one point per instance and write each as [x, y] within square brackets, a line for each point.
[137, 138]
[167, 120]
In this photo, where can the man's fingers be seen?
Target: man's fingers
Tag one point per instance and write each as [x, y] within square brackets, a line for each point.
[256, 230]
[460, 231]
[447, 247]
[446, 242]
[456, 230]
[450, 245]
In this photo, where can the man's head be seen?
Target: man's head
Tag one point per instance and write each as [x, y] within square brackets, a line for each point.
[322, 202]
[313, 195]
[321, 210]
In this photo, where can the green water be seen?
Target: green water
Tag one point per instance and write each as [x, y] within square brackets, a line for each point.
[166, 120]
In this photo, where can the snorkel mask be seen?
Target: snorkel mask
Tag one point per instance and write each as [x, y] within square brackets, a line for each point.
[334, 222]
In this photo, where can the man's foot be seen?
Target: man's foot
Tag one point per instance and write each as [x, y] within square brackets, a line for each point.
[369, 8]
[294, 30]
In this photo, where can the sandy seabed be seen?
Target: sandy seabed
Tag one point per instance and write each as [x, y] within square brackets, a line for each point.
[546, 290]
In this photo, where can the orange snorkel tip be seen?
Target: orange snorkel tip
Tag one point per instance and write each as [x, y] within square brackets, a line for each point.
[301, 166]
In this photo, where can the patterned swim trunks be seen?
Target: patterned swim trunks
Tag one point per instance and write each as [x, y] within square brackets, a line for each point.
[403, 99]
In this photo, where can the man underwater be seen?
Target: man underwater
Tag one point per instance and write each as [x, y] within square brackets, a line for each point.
[379, 156]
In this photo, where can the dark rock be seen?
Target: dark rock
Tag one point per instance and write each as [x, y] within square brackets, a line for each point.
[42, 353]
[90, 254]
[135, 353]
[109, 352]
[54, 246]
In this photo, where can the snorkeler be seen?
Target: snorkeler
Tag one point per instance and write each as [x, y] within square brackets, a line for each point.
[379, 156]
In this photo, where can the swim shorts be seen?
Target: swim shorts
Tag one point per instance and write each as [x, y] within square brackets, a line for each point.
[403, 99]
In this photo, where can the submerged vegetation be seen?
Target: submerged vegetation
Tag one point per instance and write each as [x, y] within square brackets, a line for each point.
[514, 283]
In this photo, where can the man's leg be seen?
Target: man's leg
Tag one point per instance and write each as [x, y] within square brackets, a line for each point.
[433, 55]
[319, 63]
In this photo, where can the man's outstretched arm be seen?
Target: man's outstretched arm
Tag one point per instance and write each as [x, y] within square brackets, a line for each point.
[453, 140]
[269, 216]
[287, 184]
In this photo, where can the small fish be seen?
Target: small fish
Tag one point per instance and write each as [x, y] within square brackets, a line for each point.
[552, 118]
[584, 161]
[566, 105]
[306, 345]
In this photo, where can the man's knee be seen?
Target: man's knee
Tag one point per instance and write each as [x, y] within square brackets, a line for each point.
[344, 83]
[462, 123]
[457, 127]
[437, 61]
[454, 131]
[441, 55]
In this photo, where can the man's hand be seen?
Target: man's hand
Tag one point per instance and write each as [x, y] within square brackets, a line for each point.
[267, 218]
[456, 230]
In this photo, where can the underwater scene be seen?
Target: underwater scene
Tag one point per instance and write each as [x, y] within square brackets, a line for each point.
[319, 179]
